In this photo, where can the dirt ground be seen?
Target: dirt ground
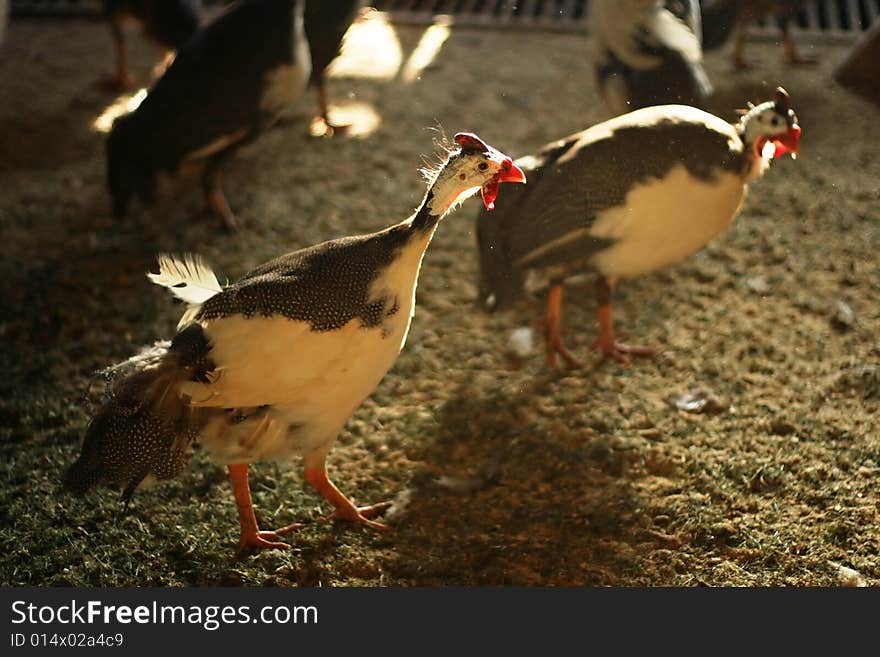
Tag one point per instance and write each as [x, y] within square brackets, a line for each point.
[502, 472]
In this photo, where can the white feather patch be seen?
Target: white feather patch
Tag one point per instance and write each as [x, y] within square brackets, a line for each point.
[189, 278]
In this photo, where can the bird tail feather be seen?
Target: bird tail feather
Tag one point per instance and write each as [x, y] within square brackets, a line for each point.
[189, 278]
[142, 427]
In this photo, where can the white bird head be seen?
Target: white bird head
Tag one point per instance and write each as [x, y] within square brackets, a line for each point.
[474, 165]
[771, 128]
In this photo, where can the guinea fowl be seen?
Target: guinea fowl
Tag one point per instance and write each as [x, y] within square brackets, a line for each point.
[326, 22]
[721, 18]
[225, 87]
[647, 53]
[169, 23]
[626, 197]
[272, 366]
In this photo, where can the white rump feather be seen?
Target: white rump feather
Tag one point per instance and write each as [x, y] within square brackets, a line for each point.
[189, 278]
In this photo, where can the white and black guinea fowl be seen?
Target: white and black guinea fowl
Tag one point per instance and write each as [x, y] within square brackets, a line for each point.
[169, 23]
[272, 366]
[226, 86]
[647, 52]
[626, 197]
[721, 18]
[326, 22]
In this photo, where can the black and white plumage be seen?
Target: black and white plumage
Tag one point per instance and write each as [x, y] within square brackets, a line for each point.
[326, 22]
[272, 366]
[647, 52]
[168, 23]
[225, 87]
[626, 197]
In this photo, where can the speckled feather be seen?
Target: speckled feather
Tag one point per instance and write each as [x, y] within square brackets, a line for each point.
[326, 285]
[142, 428]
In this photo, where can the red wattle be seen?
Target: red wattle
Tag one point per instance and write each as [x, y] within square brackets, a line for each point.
[489, 192]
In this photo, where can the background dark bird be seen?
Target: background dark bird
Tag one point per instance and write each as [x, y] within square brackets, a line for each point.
[623, 198]
[225, 87]
[721, 18]
[326, 22]
[272, 366]
[168, 23]
[648, 53]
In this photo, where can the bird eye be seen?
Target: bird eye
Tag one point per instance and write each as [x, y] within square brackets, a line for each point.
[482, 166]
[776, 121]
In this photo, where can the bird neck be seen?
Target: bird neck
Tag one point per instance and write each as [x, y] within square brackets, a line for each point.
[444, 194]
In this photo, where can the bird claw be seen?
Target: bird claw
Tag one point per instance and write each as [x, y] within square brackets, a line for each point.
[265, 540]
[620, 352]
[362, 515]
[555, 346]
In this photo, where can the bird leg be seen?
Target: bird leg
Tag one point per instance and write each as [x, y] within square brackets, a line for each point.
[214, 198]
[251, 536]
[606, 340]
[123, 79]
[739, 41]
[793, 57]
[330, 129]
[345, 510]
[552, 324]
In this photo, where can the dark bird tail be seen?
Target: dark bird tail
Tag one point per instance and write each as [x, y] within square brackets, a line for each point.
[143, 427]
[719, 19]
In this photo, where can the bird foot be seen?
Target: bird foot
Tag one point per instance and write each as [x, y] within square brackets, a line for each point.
[265, 540]
[802, 60]
[362, 515]
[555, 345]
[620, 352]
[741, 64]
[331, 129]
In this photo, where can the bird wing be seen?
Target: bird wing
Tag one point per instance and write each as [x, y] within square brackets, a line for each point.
[550, 224]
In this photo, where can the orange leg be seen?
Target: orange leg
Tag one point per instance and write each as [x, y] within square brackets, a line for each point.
[793, 57]
[552, 324]
[124, 79]
[216, 201]
[330, 129]
[251, 536]
[605, 341]
[345, 510]
[739, 42]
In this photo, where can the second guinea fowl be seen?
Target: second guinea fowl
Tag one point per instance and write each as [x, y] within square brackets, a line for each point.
[626, 197]
[226, 86]
[725, 17]
[647, 52]
[272, 366]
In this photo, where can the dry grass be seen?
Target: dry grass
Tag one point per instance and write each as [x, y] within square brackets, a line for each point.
[504, 473]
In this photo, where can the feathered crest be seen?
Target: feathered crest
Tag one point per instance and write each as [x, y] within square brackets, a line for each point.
[433, 163]
[188, 277]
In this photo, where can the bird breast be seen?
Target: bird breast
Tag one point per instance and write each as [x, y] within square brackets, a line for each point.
[664, 221]
[296, 387]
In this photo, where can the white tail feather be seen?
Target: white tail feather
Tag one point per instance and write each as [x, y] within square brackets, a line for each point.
[189, 278]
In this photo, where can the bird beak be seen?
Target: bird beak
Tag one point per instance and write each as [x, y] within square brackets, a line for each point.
[789, 142]
[509, 173]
